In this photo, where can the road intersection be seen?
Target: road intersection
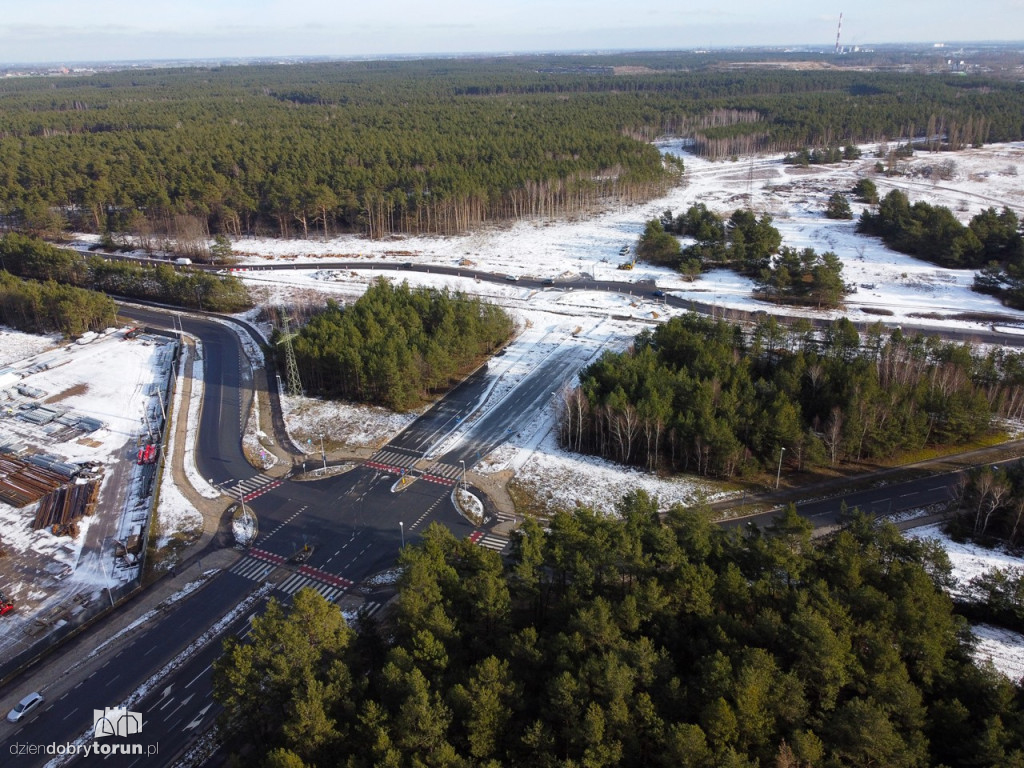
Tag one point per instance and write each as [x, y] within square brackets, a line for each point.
[329, 534]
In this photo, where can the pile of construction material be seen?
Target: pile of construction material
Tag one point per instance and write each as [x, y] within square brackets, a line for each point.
[24, 482]
[61, 510]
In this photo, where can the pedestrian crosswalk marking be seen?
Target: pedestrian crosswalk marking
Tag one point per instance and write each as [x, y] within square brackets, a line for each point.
[394, 459]
[269, 557]
[252, 487]
[493, 542]
[297, 581]
[258, 567]
[489, 540]
[399, 463]
[446, 470]
[252, 568]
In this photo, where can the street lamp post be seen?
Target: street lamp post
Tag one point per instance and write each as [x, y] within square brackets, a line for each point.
[401, 527]
[463, 463]
[778, 475]
[241, 498]
[323, 453]
[110, 577]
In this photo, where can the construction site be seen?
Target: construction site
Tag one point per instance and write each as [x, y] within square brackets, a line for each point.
[81, 428]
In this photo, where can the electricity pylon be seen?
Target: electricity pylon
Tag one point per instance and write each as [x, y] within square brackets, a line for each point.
[294, 383]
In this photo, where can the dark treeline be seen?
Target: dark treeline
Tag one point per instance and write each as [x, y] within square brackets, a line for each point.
[743, 243]
[995, 597]
[990, 509]
[425, 146]
[933, 233]
[34, 259]
[991, 504]
[803, 276]
[44, 307]
[824, 156]
[706, 397]
[396, 345]
[636, 641]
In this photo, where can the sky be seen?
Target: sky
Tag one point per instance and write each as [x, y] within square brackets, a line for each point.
[59, 31]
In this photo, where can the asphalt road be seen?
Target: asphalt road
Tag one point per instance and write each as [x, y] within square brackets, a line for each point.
[354, 525]
[929, 484]
[635, 287]
[519, 407]
[443, 417]
[62, 720]
[226, 380]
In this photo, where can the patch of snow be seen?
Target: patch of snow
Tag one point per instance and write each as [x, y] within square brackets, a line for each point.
[1003, 648]
[243, 528]
[17, 346]
[969, 560]
[566, 480]
[468, 504]
[384, 578]
[357, 426]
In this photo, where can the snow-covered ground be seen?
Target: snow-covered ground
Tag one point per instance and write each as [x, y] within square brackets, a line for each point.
[1005, 649]
[584, 323]
[794, 196]
[557, 477]
[355, 426]
[912, 291]
[110, 379]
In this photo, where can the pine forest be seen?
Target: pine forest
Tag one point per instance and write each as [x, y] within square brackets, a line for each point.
[637, 641]
[396, 346]
[433, 146]
[704, 396]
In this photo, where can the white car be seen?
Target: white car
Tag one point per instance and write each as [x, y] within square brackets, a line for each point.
[23, 707]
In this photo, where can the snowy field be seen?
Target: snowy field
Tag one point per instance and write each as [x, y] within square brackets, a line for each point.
[355, 426]
[794, 196]
[913, 291]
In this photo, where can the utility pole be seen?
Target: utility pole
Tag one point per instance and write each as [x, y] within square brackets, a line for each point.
[110, 577]
[778, 475]
[241, 498]
[323, 453]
